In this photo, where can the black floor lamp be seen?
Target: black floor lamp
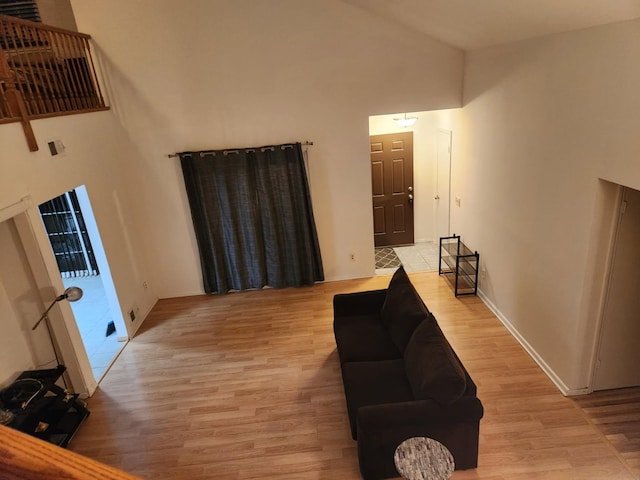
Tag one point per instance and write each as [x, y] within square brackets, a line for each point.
[72, 294]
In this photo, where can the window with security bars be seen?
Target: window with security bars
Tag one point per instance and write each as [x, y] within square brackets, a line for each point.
[64, 222]
[25, 9]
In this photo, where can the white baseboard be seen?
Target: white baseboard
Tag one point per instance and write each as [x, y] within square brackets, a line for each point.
[557, 381]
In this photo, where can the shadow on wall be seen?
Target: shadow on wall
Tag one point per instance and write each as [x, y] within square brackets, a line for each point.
[490, 77]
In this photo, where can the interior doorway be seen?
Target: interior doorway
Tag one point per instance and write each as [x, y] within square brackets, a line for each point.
[77, 247]
[618, 355]
[432, 159]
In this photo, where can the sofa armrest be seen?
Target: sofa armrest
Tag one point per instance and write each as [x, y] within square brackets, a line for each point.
[359, 303]
[376, 418]
[381, 428]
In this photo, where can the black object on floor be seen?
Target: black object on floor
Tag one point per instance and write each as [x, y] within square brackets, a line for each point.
[43, 409]
[386, 258]
[111, 327]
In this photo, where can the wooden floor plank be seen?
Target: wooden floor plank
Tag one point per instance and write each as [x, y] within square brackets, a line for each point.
[248, 386]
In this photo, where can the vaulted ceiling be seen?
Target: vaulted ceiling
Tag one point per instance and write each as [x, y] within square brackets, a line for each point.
[474, 24]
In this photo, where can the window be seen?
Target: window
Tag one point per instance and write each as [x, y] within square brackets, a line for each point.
[25, 9]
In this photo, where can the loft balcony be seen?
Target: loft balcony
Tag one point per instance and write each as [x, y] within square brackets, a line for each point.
[44, 72]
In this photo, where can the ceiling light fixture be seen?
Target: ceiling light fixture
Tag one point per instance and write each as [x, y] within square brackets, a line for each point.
[406, 121]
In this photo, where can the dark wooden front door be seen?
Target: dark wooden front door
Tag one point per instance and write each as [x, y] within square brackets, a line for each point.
[392, 185]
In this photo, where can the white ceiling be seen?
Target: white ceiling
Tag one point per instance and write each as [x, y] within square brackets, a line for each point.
[474, 24]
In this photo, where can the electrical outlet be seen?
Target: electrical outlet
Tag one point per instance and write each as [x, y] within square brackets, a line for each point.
[458, 201]
[144, 285]
[352, 256]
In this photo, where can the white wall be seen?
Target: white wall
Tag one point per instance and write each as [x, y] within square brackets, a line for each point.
[19, 348]
[542, 121]
[425, 137]
[96, 156]
[57, 13]
[219, 74]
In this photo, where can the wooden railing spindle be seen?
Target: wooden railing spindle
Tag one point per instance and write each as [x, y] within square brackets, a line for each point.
[66, 81]
[93, 75]
[31, 75]
[72, 65]
[50, 101]
[54, 74]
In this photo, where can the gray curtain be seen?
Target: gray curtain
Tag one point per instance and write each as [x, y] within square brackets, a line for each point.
[252, 217]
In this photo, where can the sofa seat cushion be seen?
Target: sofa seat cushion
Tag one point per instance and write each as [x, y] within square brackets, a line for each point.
[403, 309]
[432, 368]
[373, 383]
[363, 337]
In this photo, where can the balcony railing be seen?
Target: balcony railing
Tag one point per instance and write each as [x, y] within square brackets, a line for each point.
[45, 71]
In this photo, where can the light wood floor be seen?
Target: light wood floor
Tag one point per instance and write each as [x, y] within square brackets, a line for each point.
[248, 386]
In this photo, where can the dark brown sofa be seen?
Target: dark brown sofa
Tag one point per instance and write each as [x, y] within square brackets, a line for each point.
[401, 378]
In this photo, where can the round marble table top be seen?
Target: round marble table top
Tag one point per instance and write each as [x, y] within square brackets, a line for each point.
[422, 458]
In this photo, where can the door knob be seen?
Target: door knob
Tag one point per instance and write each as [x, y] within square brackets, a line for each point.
[410, 198]
[410, 189]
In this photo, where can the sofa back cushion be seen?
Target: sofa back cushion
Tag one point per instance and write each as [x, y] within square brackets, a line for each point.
[403, 309]
[432, 367]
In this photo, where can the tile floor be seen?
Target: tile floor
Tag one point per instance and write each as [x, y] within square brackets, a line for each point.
[420, 257]
[386, 258]
[92, 316]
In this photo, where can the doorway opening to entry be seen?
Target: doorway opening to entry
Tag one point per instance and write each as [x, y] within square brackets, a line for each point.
[411, 188]
[617, 355]
[76, 244]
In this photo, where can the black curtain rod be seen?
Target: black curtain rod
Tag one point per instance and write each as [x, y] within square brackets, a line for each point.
[174, 155]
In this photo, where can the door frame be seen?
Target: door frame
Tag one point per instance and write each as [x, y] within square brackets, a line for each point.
[603, 237]
[44, 269]
[617, 214]
[102, 265]
[438, 201]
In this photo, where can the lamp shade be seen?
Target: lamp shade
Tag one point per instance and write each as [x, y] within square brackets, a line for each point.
[73, 294]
